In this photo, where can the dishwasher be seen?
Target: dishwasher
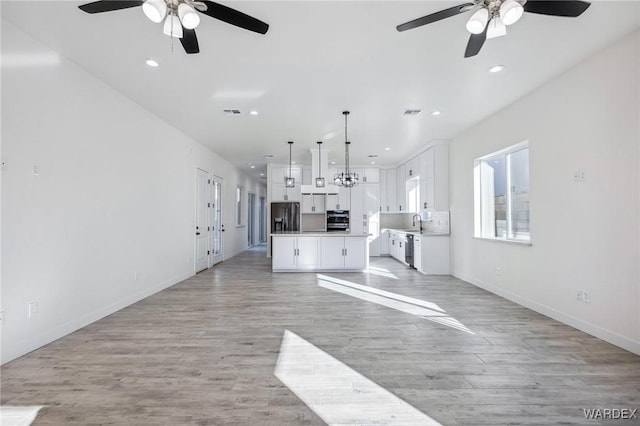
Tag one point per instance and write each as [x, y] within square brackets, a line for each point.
[408, 251]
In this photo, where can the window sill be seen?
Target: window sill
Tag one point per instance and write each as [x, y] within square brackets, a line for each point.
[501, 240]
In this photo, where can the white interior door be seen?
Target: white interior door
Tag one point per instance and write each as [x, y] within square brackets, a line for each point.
[217, 227]
[202, 225]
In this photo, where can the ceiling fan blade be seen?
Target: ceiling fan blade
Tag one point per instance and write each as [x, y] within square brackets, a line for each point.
[189, 41]
[234, 17]
[475, 43]
[109, 5]
[447, 13]
[570, 9]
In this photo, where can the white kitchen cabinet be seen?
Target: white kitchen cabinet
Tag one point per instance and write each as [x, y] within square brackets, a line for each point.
[435, 255]
[313, 203]
[301, 253]
[401, 189]
[356, 255]
[385, 242]
[343, 253]
[281, 193]
[417, 252]
[390, 188]
[339, 199]
[283, 253]
[371, 175]
[434, 187]
[306, 176]
[412, 168]
[357, 213]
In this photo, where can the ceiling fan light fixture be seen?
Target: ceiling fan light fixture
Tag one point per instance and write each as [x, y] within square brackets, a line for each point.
[188, 16]
[496, 28]
[511, 11]
[477, 22]
[155, 10]
[172, 26]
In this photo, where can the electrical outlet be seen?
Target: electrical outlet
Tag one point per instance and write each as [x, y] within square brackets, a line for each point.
[498, 271]
[579, 295]
[35, 170]
[135, 276]
[578, 176]
[33, 309]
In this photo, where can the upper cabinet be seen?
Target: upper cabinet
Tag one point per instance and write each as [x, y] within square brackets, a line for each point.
[434, 178]
[278, 190]
[412, 168]
[401, 188]
[388, 191]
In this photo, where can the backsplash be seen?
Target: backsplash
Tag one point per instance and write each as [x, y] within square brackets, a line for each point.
[433, 221]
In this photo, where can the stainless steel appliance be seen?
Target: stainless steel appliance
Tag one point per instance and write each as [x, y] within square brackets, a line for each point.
[285, 217]
[408, 251]
[337, 220]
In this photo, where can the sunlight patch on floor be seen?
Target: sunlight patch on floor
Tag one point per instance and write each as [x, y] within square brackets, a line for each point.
[409, 305]
[18, 416]
[337, 393]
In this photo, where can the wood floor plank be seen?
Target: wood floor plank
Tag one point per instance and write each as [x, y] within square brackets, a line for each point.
[204, 351]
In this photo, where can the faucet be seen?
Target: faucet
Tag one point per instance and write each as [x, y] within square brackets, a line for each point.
[419, 221]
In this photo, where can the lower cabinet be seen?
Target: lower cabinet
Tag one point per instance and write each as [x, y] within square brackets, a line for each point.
[292, 253]
[417, 253]
[295, 253]
[344, 253]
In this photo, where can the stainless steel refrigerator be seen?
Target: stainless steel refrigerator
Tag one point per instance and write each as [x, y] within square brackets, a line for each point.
[285, 217]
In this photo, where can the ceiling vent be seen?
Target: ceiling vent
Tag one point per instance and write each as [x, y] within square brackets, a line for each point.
[232, 111]
[412, 111]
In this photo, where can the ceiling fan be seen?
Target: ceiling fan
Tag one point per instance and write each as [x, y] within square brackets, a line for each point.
[180, 16]
[490, 17]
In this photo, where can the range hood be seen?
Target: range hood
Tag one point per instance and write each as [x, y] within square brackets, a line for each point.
[320, 170]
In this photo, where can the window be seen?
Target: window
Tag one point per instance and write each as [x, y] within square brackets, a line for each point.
[238, 206]
[502, 194]
[413, 195]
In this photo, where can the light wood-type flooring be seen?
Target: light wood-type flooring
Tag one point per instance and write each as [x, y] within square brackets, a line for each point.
[204, 352]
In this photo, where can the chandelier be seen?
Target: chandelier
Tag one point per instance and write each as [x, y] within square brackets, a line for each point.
[290, 181]
[347, 178]
[319, 179]
[495, 15]
[175, 13]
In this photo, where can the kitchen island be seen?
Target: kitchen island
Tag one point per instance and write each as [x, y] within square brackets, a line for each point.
[319, 251]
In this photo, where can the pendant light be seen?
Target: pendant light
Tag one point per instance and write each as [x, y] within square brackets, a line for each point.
[290, 182]
[319, 179]
[347, 178]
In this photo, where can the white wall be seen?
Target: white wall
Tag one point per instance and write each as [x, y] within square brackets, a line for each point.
[585, 235]
[115, 195]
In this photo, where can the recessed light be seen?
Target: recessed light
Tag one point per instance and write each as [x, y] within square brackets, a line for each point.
[254, 112]
[436, 113]
[293, 162]
[152, 63]
[333, 162]
[387, 149]
[496, 68]
[373, 162]
[261, 174]
[253, 167]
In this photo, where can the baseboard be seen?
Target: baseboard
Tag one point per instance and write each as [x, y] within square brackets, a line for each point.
[589, 328]
[41, 339]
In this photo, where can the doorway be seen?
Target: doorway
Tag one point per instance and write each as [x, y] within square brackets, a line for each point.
[251, 205]
[202, 221]
[263, 221]
[217, 228]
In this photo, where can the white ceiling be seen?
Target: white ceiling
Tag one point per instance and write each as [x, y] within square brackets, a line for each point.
[318, 59]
